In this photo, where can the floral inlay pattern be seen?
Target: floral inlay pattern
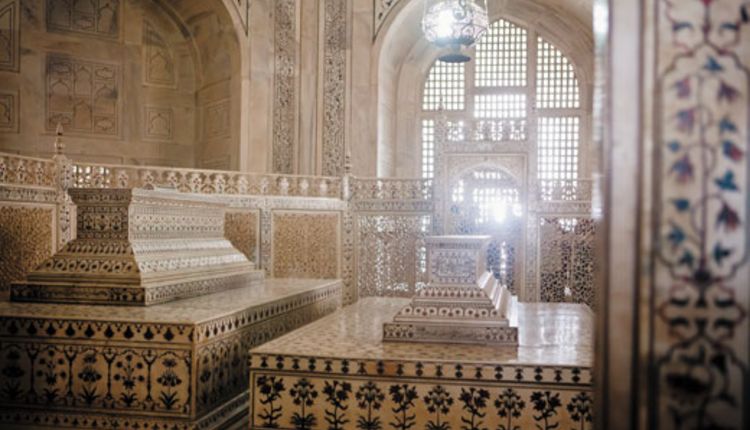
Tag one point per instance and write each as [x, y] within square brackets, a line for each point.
[701, 208]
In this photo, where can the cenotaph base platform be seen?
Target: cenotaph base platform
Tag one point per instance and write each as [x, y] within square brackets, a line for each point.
[339, 369]
[145, 320]
[461, 354]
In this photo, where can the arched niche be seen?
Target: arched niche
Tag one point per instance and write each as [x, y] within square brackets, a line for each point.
[403, 58]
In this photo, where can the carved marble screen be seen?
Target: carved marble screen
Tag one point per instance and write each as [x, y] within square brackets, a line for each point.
[504, 138]
[391, 254]
[566, 259]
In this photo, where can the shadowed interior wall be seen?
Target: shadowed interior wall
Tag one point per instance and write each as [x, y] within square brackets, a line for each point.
[135, 82]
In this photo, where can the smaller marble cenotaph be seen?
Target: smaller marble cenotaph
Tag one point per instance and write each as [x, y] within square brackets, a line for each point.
[462, 301]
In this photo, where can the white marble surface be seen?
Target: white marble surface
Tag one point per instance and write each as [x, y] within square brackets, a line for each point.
[190, 311]
[550, 334]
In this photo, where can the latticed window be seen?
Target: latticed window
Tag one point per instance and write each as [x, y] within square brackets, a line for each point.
[519, 86]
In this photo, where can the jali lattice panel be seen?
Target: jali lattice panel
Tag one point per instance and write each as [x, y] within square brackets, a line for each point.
[566, 260]
[391, 255]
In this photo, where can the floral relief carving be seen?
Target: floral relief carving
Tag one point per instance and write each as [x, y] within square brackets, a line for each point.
[306, 245]
[391, 253]
[241, 228]
[93, 18]
[26, 238]
[285, 86]
[9, 36]
[82, 96]
[158, 60]
[8, 112]
[334, 87]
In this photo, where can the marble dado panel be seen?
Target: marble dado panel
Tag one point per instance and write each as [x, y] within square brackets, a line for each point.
[93, 18]
[306, 244]
[216, 120]
[9, 112]
[83, 96]
[168, 374]
[158, 123]
[26, 239]
[242, 228]
[158, 59]
[566, 262]
[10, 47]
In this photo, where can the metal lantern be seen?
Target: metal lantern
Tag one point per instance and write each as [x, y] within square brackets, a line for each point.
[454, 24]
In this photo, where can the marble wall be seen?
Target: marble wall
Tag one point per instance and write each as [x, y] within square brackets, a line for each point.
[131, 82]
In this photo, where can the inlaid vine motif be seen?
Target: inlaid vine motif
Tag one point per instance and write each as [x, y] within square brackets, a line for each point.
[701, 202]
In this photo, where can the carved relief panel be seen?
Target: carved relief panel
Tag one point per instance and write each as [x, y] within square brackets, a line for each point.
[306, 244]
[26, 239]
[95, 18]
[216, 120]
[158, 123]
[83, 96]
[242, 228]
[8, 112]
[158, 59]
[9, 35]
[334, 92]
[285, 86]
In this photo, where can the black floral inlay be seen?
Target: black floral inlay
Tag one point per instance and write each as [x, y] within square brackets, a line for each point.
[337, 393]
[474, 403]
[403, 396]
[270, 390]
[546, 404]
[369, 398]
[304, 395]
[438, 402]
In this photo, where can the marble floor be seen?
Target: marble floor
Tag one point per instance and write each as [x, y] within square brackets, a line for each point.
[550, 334]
